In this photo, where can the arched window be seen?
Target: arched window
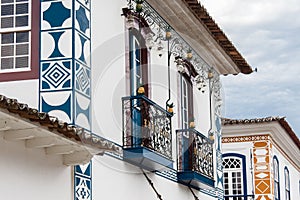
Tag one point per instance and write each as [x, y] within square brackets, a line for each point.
[276, 178]
[287, 183]
[234, 170]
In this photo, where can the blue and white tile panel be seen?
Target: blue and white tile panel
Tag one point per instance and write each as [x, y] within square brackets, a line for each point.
[65, 60]
[83, 182]
[65, 72]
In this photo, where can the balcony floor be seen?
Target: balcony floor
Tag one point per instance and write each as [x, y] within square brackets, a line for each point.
[195, 179]
[147, 159]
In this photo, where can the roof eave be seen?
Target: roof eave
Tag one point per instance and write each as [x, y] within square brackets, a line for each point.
[191, 20]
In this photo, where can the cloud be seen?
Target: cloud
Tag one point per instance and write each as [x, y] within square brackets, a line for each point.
[266, 34]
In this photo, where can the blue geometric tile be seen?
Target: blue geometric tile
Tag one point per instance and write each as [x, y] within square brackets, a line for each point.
[65, 107]
[56, 75]
[56, 36]
[56, 14]
[82, 188]
[83, 76]
[82, 19]
[83, 42]
[82, 111]
[85, 170]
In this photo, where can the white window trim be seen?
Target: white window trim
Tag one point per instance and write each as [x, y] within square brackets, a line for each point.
[230, 182]
[24, 28]
[15, 30]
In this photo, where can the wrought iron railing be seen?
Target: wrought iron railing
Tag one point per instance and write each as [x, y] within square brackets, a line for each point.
[194, 152]
[145, 124]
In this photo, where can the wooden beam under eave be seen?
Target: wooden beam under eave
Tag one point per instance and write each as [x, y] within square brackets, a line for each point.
[41, 142]
[21, 134]
[60, 149]
[77, 158]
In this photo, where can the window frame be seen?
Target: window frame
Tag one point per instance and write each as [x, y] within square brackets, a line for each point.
[189, 110]
[243, 177]
[287, 183]
[276, 178]
[33, 29]
[136, 36]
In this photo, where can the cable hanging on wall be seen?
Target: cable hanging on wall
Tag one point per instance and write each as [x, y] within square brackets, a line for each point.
[152, 185]
[195, 196]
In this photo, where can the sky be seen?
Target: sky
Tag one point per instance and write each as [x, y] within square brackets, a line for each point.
[266, 33]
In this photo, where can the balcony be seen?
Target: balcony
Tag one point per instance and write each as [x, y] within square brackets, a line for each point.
[195, 159]
[147, 138]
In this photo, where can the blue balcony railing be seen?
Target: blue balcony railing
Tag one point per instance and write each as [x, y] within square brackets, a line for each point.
[146, 127]
[194, 158]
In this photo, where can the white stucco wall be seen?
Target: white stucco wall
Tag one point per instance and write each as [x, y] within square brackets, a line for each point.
[109, 85]
[108, 68]
[111, 175]
[31, 174]
[284, 161]
[25, 91]
[44, 176]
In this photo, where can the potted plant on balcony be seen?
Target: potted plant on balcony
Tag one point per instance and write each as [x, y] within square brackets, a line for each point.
[192, 122]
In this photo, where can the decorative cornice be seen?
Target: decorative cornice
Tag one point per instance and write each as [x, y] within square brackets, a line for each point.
[281, 120]
[245, 138]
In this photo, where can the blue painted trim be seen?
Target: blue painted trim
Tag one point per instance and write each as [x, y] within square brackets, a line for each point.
[56, 29]
[188, 177]
[84, 5]
[91, 190]
[275, 159]
[73, 60]
[57, 59]
[139, 155]
[82, 34]
[243, 157]
[40, 55]
[57, 90]
[90, 65]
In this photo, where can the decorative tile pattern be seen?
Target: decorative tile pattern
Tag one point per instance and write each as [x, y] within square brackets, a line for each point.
[244, 138]
[53, 18]
[59, 105]
[83, 182]
[83, 80]
[56, 75]
[82, 19]
[82, 111]
[262, 169]
[65, 85]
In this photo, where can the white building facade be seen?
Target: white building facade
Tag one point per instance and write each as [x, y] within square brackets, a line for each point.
[137, 86]
[260, 159]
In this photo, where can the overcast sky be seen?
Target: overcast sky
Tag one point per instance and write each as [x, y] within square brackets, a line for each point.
[266, 33]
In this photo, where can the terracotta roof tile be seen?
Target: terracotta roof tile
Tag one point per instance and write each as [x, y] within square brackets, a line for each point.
[53, 124]
[201, 13]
